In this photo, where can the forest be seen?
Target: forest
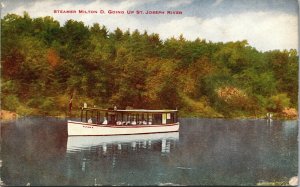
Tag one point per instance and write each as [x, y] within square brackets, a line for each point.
[44, 64]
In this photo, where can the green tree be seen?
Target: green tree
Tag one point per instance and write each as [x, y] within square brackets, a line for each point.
[278, 102]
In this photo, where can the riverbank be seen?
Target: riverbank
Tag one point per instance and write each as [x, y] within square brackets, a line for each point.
[286, 114]
[8, 115]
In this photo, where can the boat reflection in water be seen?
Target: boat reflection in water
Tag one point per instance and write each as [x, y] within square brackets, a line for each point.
[119, 160]
[141, 141]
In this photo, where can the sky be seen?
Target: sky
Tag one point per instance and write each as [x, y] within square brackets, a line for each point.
[265, 24]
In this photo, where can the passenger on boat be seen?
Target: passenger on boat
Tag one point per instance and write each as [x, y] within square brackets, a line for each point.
[105, 122]
[90, 120]
[119, 123]
[133, 123]
[144, 122]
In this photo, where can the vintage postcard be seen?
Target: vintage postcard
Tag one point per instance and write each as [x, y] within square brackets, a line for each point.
[149, 92]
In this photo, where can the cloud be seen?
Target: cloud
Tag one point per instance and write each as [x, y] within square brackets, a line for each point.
[177, 3]
[217, 2]
[263, 30]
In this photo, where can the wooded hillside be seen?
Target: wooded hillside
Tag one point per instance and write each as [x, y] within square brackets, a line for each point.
[44, 63]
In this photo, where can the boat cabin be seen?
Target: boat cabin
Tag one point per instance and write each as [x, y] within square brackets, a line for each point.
[100, 116]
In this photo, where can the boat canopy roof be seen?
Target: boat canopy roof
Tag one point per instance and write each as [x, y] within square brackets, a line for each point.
[130, 110]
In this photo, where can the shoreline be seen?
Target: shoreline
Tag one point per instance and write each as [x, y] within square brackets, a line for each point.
[6, 115]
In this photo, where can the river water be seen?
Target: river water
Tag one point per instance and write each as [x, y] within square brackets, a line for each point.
[37, 151]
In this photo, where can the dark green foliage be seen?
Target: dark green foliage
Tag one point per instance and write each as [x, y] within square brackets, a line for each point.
[44, 63]
[10, 102]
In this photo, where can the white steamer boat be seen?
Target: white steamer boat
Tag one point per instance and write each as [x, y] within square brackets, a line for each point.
[106, 122]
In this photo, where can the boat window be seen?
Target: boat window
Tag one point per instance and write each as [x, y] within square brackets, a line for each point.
[111, 118]
[128, 118]
[89, 116]
[150, 120]
[164, 118]
[170, 118]
[157, 119]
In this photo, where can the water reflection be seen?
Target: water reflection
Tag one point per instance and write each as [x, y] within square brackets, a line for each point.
[133, 142]
[289, 127]
[32, 149]
[118, 159]
[204, 152]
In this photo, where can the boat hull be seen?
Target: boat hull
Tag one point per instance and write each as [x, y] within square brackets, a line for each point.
[85, 129]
